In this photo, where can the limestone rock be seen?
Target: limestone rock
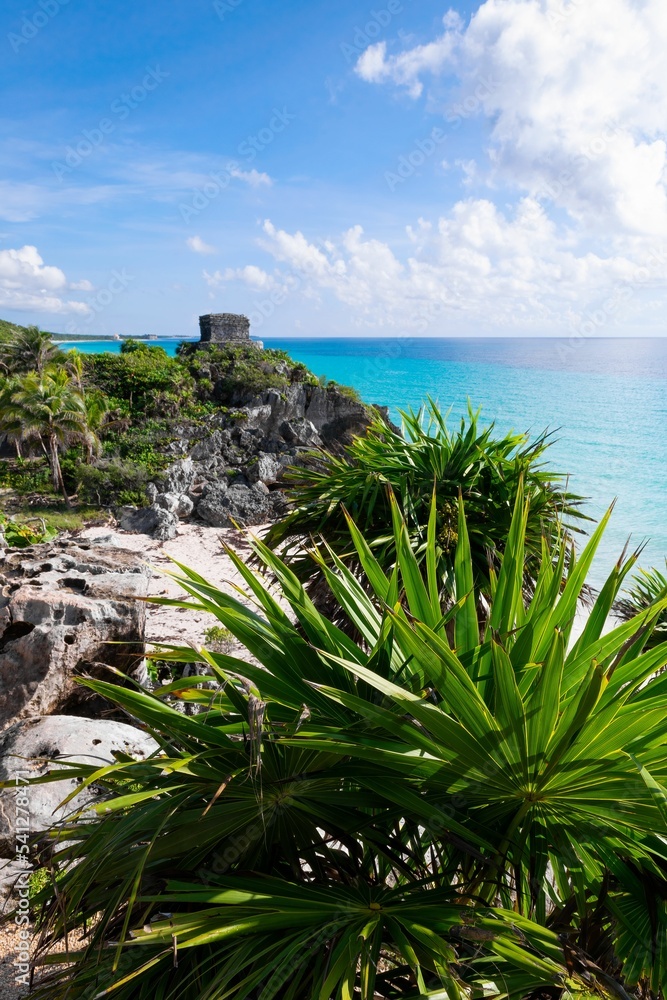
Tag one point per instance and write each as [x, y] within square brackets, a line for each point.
[179, 477]
[223, 505]
[153, 520]
[266, 469]
[63, 608]
[179, 504]
[252, 444]
[32, 745]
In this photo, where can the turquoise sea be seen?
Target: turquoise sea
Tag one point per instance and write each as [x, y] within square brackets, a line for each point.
[606, 399]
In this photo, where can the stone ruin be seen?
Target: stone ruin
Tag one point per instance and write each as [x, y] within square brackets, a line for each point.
[221, 328]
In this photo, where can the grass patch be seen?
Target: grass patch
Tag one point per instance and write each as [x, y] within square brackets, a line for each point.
[58, 516]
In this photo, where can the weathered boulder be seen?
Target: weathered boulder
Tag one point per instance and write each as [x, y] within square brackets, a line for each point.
[222, 506]
[266, 469]
[179, 504]
[154, 520]
[37, 745]
[67, 608]
[179, 477]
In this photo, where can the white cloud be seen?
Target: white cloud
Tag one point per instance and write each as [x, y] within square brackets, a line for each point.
[81, 286]
[26, 283]
[252, 177]
[406, 68]
[252, 276]
[477, 266]
[197, 245]
[576, 97]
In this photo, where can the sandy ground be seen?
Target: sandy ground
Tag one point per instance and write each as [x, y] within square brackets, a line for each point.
[196, 546]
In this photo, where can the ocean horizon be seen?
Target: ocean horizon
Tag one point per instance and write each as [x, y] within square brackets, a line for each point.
[604, 401]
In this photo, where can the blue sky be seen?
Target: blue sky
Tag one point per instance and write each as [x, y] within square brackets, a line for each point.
[347, 169]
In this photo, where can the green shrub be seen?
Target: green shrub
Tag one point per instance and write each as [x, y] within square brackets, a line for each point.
[218, 638]
[141, 347]
[137, 377]
[26, 475]
[433, 812]
[113, 481]
[481, 465]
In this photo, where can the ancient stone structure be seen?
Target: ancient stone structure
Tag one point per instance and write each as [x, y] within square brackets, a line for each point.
[221, 328]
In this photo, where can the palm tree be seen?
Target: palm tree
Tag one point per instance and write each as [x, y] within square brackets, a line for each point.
[74, 365]
[10, 425]
[97, 411]
[49, 407]
[31, 349]
[648, 588]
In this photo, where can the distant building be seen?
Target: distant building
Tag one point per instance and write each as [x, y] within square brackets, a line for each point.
[221, 328]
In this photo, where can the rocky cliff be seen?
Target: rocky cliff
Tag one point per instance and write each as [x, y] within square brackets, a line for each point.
[228, 468]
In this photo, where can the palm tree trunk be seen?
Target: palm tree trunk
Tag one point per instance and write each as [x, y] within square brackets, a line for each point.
[56, 471]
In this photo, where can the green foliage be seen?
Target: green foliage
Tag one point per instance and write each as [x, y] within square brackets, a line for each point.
[141, 347]
[38, 880]
[59, 518]
[28, 349]
[21, 534]
[9, 330]
[649, 588]
[481, 465]
[345, 390]
[49, 407]
[25, 475]
[433, 812]
[218, 638]
[112, 481]
[137, 379]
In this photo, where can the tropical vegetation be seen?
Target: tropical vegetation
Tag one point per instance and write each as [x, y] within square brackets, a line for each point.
[29, 349]
[46, 406]
[647, 588]
[387, 464]
[435, 810]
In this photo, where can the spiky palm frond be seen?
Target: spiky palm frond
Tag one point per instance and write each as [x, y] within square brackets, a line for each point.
[476, 462]
[648, 587]
[432, 811]
[28, 350]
